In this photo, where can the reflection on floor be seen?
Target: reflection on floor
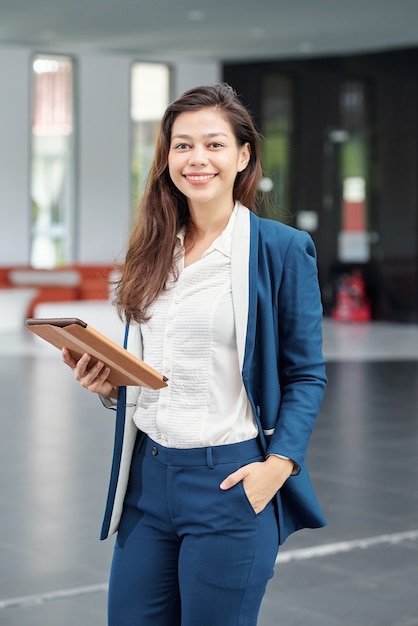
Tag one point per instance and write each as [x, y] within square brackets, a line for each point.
[361, 570]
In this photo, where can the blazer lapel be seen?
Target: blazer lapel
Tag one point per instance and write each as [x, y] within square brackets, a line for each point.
[240, 254]
[253, 293]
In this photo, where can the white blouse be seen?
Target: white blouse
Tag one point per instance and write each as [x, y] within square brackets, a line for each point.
[190, 338]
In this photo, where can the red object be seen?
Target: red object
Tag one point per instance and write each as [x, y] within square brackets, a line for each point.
[93, 284]
[354, 217]
[352, 302]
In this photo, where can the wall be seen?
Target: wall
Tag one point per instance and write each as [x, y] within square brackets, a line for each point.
[14, 155]
[103, 159]
[190, 74]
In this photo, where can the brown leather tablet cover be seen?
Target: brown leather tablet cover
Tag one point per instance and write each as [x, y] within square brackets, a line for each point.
[79, 338]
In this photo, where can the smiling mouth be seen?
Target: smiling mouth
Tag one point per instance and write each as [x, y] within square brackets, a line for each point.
[199, 177]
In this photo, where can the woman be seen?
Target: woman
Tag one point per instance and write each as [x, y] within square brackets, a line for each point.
[208, 475]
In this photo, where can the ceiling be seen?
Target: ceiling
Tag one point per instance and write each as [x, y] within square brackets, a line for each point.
[226, 30]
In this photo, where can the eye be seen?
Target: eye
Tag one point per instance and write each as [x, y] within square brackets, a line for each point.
[181, 146]
[215, 144]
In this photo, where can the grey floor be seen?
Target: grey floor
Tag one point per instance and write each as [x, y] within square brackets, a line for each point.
[361, 570]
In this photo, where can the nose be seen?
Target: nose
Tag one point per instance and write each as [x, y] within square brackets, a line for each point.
[198, 156]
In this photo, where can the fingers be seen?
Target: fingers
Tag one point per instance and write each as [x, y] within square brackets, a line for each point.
[233, 479]
[82, 371]
[244, 475]
[67, 358]
[259, 480]
[94, 378]
[87, 376]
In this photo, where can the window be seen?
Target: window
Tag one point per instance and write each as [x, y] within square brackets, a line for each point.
[52, 167]
[353, 109]
[277, 116]
[150, 89]
[347, 160]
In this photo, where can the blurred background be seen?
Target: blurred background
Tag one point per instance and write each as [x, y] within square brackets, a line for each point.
[333, 88]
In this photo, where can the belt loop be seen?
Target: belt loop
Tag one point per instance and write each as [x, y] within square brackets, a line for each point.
[209, 457]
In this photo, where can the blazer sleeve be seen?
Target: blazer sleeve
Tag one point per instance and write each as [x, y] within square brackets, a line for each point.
[301, 363]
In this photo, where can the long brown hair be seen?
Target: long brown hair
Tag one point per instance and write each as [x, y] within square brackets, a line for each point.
[163, 210]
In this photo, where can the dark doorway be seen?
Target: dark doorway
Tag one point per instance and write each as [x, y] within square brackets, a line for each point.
[344, 149]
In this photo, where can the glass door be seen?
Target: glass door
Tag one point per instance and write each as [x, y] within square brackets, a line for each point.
[277, 129]
[347, 193]
[348, 208]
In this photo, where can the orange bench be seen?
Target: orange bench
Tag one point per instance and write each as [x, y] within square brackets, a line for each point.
[75, 282]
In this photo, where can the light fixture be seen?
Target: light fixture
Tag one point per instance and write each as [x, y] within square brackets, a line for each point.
[195, 15]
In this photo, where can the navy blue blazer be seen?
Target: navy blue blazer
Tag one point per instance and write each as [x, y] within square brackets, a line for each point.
[284, 370]
[278, 318]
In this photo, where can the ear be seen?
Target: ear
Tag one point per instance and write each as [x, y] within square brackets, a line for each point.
[244, 157]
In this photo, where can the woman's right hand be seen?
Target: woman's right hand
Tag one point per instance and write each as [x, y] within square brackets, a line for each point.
[93, 379]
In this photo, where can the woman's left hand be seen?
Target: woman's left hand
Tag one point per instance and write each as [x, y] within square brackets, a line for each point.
[261, 480]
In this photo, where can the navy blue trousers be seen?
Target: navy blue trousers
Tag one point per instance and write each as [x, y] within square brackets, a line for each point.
[188, 553]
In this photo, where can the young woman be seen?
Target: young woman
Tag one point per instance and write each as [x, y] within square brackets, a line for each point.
[208, 475]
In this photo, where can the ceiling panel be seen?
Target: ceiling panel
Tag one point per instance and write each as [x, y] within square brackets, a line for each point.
[226, 30]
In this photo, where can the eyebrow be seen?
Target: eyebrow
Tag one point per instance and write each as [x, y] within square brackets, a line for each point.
[207, 136]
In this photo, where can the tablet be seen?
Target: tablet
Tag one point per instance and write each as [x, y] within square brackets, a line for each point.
[79, 337]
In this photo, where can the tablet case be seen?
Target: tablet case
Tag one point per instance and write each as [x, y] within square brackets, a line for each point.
[79, 338]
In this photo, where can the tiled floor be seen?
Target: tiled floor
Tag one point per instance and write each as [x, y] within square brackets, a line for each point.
[361, 570]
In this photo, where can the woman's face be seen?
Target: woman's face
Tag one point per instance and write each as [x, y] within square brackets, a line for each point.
[204, 158]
